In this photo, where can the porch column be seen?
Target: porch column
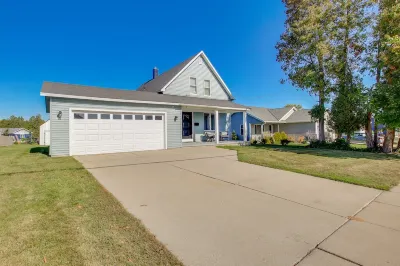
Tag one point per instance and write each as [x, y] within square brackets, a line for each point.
[209, 121]
[216, 119]
[278, 128]
[245, 126]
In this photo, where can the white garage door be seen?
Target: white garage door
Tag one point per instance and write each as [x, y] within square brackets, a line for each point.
[100, 132]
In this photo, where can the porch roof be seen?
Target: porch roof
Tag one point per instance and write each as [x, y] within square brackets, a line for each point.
[61, 90]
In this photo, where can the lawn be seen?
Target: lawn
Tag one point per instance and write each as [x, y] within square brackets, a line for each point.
[361, 168]
[53, 211]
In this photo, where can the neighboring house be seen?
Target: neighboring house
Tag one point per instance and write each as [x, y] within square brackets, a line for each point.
[16, 133]
[261, 121]
[188, 103]
[45, 133]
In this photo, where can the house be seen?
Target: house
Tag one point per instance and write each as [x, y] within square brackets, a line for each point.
[45, 133]
[190, 103]
[17, 133]
[262, 121]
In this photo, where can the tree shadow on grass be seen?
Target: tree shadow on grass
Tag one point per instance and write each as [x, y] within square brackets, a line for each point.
[328, 153]
[43, 150]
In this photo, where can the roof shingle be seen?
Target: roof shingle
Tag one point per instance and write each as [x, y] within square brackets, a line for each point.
[75, 91]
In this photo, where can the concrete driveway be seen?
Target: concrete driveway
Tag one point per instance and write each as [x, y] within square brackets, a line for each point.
[210, 209]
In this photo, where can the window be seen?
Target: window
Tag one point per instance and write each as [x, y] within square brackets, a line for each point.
[209, 123]
[207, 88]
[138, 117]
[128, 117]
[257, 129]
[79, 115]
[117, 117]
[149, 117]
[241, 130]
[92, 116]
[193, 85]
[105, 116]
[270, 128]
[158, 117]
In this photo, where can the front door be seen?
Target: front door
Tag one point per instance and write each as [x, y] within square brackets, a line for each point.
[187, 131]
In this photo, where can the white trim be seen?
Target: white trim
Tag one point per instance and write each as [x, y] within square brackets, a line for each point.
[288, 114]
[136, 101]
[187, 140]
[212, 69]
[72, 109]
[204, 87]
[216, 122]
[190, 85]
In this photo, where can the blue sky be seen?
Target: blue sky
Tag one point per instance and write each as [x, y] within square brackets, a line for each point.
[117, 43]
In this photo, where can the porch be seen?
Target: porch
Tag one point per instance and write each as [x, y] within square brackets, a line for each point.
[213, 143]
[208, 126]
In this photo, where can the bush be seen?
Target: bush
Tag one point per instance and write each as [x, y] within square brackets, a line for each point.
[254, 142]
[234, 135]
[338, 144]
[264, 141]
[285, 142]
[301, 139]
[278, 136]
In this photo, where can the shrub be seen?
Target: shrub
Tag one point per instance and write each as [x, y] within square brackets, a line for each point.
[267, 140]
[263, 140]
[301, 139]
[234, 135]
[277, 137]
[285, 142]
[284, 135]
[254, 142]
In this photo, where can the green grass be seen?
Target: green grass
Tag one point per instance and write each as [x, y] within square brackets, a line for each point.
[53, 211]
[361, 168]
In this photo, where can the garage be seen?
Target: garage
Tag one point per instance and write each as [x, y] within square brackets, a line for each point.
[96, 132]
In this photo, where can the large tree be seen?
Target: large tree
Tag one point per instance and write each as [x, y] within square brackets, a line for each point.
[349, 39]
[386, 96]
[304, 50]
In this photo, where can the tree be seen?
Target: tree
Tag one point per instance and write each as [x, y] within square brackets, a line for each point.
[33, 124]
[386, 96]
[349, 39]
[304, 50]
[347, 113]
[5, 133]
[298, 106]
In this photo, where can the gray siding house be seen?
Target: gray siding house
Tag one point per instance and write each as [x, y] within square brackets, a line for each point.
[186, 104]
[261, 121]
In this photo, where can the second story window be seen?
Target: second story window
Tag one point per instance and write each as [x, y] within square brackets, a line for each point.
[193, 85]
[207, 88]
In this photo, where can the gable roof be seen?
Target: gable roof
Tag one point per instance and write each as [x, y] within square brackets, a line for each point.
[279, 113]
[262, 113]
[302, 115]
[156, 84]
[12, 130]
[161, 82]
[275, 115]
[53, 89]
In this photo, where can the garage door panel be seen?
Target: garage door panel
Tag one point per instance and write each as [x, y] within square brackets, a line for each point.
[92, 126]
[94, 136]
[116, 126]
[79, 126]
[104, 126]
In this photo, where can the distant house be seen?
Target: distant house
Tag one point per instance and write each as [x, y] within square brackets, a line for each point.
[262, 121]
[17, 133]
